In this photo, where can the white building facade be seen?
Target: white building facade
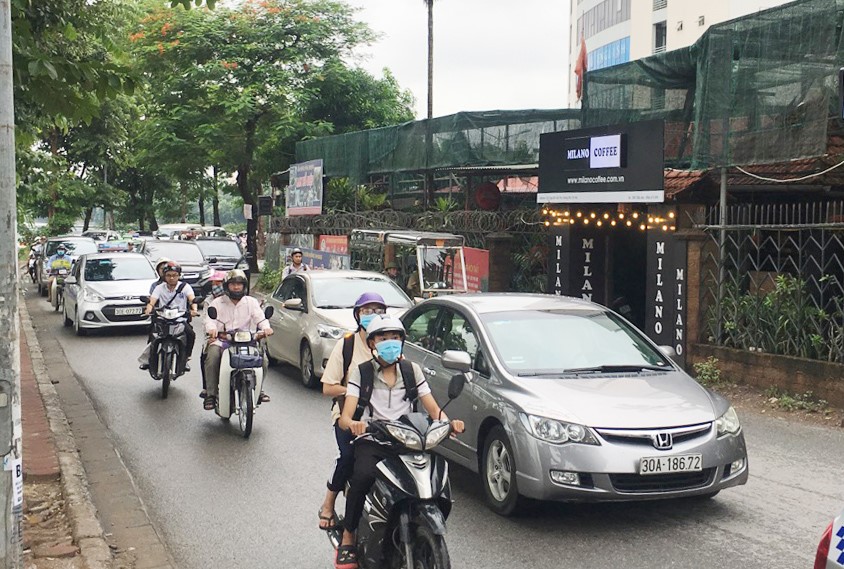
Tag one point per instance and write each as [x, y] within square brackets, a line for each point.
[618, 31]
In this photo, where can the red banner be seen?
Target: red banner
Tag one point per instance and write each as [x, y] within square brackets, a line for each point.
[477, 270]
[334, 244]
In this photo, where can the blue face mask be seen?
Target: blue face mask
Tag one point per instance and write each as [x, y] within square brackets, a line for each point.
[60, 253]
[365, 319]
[389, 350]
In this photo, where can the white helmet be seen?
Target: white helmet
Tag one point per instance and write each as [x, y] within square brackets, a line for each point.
[384, 323]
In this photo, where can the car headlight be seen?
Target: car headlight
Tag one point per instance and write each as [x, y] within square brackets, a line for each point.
[436, 435]
[405, 436]
[92, 296]
[558, 432]
[332, 332]
[728, 423]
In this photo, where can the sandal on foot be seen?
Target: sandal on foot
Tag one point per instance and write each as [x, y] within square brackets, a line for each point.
[263, 398]
[203, 394]
[210, 403]
[346, 558]
[331, 520]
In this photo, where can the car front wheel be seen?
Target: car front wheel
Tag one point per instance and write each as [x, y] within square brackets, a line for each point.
[306, 366]
[498, 469]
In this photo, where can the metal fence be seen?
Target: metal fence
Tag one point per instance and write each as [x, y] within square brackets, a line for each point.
[772, 279]
[530, 239]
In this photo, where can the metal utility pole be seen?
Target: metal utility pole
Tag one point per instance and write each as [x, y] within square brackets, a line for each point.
[11, 477]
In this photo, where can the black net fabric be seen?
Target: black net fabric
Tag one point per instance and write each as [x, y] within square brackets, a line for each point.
[493, 138]
[753, 90]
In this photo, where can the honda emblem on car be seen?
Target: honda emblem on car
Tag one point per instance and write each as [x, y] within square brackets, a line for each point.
[663, 441]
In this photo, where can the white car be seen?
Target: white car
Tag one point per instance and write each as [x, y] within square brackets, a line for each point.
[830, 553]
[313, 310]
[104, 290]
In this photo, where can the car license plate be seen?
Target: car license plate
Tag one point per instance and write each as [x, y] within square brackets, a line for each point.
[670, 464]
[128, 311]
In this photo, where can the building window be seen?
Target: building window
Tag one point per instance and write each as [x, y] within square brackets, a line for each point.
[659, 37]
[701, 21]
[605, 15]
[660, 4]
[680, 26]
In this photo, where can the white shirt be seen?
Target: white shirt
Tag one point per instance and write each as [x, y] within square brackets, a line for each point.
[164, 294]
[290, 269]
[387, 404]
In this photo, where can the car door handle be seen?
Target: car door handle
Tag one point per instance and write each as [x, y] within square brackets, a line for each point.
[429, 371]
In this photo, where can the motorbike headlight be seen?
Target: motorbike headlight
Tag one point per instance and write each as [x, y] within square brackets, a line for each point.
[728, 423]
[436, 434]
[407, 437]
[92, 296]
[558, 432]
[171, 313]
[332, 332]
[242, 336]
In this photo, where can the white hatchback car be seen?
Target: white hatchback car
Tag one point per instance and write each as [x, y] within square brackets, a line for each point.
[313, 310]
[105, 289]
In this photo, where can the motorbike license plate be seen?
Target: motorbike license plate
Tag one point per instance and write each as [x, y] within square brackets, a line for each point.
[62, 271]
[128, 311]
[670, 464]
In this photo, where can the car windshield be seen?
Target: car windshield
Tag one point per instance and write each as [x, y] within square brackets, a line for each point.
[219, 248]
[73, 247]
[118, 269]
[181, 252]
[537, 342]
[342, 293]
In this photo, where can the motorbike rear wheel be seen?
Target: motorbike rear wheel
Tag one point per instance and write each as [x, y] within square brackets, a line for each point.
[166, 371]
[246, 407]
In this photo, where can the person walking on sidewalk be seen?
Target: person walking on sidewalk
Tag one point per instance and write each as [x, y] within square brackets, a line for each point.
[296, 265]
[349, 352]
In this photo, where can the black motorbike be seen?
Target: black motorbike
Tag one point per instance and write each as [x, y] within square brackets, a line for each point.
[60, 275]
[169, 346]
[403, 521]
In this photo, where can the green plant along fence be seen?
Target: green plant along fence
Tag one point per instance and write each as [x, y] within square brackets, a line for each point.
[530, 240]
[776, 284]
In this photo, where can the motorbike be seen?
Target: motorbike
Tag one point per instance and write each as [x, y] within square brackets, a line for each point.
[169, 345]
[58, 297]
[31, 266]
[241, 374]
[403, 521]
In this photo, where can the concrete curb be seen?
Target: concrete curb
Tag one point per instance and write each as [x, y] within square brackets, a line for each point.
[87, 531]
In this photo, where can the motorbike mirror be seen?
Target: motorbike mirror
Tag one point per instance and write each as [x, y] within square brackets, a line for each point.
[457, 360]
[144, 299]
[212, 312]
[268, 312]
[200, 300]
[212, 260]
[455, 386]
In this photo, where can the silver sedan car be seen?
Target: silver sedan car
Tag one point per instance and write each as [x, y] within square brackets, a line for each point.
[313, 310]
[104, 290]
[570, 402]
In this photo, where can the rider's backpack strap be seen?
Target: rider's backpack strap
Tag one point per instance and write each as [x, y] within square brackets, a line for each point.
[408, 374]
[367, 384]
[348, 352]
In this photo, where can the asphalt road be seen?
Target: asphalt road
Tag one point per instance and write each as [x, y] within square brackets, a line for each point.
[222, 501]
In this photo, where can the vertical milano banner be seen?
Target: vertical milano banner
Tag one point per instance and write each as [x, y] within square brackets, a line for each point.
[608, 164]
[577, 266]
[665, 318]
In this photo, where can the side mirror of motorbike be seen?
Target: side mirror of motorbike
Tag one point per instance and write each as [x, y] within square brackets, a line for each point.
[456, 385]
[457, 360]
[212, 259]
[212, 312]
[200, 300]
[144, 299]
[268, 312]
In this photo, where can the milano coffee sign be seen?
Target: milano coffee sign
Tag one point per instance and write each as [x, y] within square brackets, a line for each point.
[620, 163]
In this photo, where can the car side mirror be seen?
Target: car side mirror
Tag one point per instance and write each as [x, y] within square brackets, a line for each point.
[668, 351]
[268, 312]
[212, 312]
[457, 360]
[70, 280]
[294, 304]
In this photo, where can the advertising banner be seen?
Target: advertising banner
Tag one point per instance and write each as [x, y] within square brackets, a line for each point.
[304, 194]
[334, 244]
[316, 259]
[608, 164]
[477, 270]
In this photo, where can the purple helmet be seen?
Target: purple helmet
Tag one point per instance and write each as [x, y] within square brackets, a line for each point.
[367, 298]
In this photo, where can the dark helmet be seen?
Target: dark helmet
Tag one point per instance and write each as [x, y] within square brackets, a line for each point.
[391, 265]
[235, 276]
[367, 298]
[172, 266]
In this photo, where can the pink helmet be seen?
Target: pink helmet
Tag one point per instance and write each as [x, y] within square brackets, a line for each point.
[218, 276]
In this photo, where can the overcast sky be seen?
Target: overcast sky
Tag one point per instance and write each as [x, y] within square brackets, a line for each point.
[488, 54]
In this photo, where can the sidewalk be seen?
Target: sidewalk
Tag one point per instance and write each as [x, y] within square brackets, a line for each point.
[60, 526]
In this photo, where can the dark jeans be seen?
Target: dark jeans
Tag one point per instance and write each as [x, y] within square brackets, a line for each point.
[367, 456]
[345, 461]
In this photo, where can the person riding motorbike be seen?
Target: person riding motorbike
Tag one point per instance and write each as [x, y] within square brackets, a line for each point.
[235, 311]
[349, 352]
[57, 261]
[173, 294]
[385, 337]
[159, 270]
[216, 279]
